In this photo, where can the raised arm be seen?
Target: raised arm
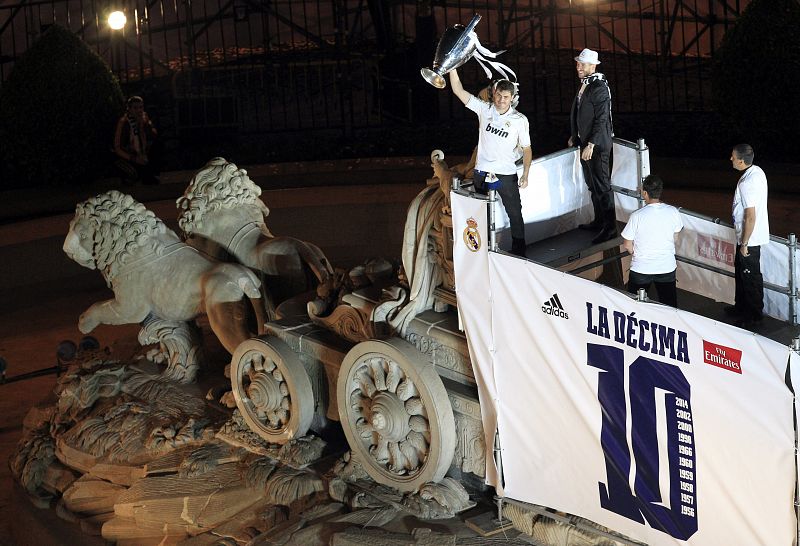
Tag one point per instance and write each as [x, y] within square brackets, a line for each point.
[458, 89]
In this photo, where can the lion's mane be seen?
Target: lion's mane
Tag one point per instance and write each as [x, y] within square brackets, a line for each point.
[218, 185]
[121, 225]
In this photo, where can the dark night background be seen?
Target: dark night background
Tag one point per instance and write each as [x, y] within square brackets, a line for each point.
[277, 81]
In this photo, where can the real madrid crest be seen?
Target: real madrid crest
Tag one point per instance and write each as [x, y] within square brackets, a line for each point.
[472, 237]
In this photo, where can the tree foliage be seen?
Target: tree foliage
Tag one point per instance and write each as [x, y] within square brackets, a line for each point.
[57, 113]
[757, 75]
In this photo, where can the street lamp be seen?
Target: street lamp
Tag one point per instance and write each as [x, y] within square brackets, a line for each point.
[117, 20]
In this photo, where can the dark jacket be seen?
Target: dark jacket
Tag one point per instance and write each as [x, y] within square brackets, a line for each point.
[592, 118]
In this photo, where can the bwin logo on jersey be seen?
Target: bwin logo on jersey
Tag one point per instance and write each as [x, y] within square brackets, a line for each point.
[553, 307]
[496, 131]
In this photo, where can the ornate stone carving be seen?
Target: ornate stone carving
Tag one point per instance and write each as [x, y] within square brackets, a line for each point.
[287, 485]
[152, 273]
[348, 322]
[179, 347]
[30, 461]
[440, 500]
[258, 470]
[221, 213]
[78, 390]
[349, 469]
[470, 446]
[173, 466]
[301, 452]
[236, 432]
[440, 354]
[343, 308]
[120, 432]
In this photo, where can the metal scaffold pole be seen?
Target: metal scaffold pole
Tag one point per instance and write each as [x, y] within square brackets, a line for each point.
[498, 461]
[795, 346]
[492, 234]
[641, 167]
[793, 292]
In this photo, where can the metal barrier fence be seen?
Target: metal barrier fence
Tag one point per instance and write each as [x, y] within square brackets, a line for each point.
[790, 286]
[789, 275]
[263, 65]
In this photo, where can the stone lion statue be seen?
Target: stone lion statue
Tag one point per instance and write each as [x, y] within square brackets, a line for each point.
[153, 274]
[222, 215]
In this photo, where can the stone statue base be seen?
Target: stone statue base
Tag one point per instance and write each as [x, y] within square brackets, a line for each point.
[123, 454]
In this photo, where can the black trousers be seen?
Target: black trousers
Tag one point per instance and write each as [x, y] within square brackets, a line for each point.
[664, 282]
[509, 193]
[749, 283]
[596, 172]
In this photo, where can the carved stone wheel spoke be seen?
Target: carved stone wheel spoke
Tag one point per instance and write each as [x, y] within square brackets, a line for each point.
[396, 414]
[272, 389]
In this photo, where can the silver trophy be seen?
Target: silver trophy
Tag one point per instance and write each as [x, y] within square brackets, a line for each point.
[455, 48]
[457, 45]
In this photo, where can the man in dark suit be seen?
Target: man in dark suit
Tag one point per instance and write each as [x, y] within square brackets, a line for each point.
[591, 131]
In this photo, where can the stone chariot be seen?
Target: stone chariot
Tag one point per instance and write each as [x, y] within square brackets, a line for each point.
[383, 358]
[377, 350]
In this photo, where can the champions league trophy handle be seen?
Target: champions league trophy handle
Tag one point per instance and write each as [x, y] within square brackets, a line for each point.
[457, 45]
[455, 48]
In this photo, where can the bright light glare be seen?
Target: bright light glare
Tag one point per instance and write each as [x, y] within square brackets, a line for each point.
[117, 20]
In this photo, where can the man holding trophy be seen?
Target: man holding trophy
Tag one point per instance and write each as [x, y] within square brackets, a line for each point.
[502, 130]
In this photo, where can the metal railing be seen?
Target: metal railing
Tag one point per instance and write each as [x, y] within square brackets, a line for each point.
[791, 289]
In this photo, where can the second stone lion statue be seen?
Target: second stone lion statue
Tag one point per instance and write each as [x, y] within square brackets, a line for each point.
[222, 215]
[153, 274]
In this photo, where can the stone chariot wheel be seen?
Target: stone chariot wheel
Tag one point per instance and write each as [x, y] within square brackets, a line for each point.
[395, 413]
[272, 389]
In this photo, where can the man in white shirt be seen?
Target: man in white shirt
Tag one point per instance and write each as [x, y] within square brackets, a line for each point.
[751, 223]
[502, 130]
[649, 237]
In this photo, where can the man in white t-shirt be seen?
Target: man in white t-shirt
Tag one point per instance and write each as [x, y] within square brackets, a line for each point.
[751, 223]
[502, 130]
[649, 237]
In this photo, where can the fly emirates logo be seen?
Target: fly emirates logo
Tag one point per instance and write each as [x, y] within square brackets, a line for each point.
[722, 357]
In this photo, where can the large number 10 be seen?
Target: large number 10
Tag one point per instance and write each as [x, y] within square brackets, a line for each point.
[674, 512]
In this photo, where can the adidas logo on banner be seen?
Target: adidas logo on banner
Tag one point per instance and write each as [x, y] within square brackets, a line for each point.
[553, 307]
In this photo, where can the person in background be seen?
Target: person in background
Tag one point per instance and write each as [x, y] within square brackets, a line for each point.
[502, 131]
[649, 237]
[591, 130]
[133, 144]
[751, 224]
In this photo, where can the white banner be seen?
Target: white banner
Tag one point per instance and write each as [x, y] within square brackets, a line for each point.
[665, 426]
[470, 257]
[556, 199]
[715, 245]
[711, 244]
